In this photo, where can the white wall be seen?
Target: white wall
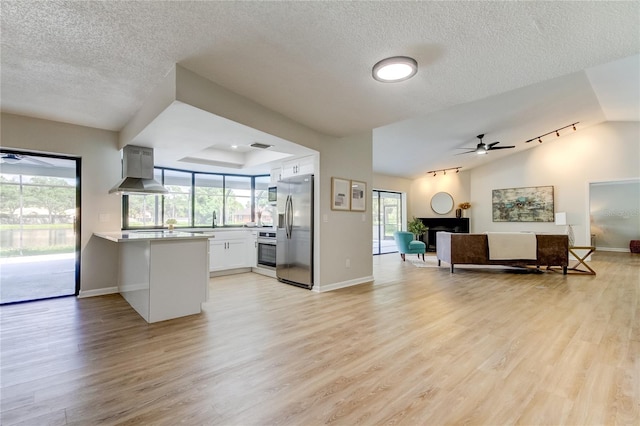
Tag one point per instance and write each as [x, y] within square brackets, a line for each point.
[100, 163]
[391, 183]
[605, 152]
[456, 184]
[420, 191]
[345, 234]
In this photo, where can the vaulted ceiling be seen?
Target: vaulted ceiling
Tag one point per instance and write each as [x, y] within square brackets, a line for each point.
[511, 70]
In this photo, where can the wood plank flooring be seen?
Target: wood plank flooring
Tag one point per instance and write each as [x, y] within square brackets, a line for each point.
[420, 346]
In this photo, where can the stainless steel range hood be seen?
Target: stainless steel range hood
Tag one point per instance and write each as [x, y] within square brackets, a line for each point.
[137, 172]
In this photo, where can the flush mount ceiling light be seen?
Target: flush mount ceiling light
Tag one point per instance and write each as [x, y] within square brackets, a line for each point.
[397, 68]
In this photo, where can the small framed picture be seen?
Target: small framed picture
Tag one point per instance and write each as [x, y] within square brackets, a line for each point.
[340, 194]
[358, 196]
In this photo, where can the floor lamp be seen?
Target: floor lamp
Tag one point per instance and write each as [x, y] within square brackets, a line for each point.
[561, 219]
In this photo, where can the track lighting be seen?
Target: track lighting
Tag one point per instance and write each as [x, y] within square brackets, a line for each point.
[557, 132]
[444, 171]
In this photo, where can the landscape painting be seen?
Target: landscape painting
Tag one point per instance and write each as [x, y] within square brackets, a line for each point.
[530, 204]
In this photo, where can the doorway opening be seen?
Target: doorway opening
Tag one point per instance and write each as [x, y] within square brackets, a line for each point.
[39, 226]
[614, 208]
[388, 217]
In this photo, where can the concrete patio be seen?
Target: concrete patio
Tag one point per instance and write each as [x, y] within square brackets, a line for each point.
[36, 277]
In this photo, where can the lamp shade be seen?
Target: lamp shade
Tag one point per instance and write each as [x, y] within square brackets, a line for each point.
[561, 218]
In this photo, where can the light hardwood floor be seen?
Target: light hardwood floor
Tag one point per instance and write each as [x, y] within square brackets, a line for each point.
[420, 346]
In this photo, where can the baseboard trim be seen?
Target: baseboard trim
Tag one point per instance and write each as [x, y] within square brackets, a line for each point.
[97, 292]
[222, 273]
[619, 250]
[344, 284]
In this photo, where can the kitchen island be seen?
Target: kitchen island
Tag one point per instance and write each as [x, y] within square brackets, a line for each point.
[162, 274]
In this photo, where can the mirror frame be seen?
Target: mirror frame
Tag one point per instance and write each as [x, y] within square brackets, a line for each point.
[442, 203]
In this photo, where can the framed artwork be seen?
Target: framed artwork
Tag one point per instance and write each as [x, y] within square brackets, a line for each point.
[358, 196]
[340, 194]
[529, 204]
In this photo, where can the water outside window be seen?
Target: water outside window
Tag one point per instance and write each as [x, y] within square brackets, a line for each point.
[38, 240]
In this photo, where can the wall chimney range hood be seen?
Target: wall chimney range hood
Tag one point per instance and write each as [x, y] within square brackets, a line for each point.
[137, 172]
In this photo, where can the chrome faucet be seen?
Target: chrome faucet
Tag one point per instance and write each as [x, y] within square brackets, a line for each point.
[213, 221]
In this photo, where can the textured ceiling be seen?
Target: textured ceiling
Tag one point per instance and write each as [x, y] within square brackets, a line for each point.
[94, 63]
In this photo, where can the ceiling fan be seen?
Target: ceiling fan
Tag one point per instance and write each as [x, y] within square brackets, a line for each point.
[11, 158]
[483, 148]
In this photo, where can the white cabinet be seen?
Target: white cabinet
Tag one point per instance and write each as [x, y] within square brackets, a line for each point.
[276, 175]
[252, 244]
[231, 250]
[298, 166]
[163, 278]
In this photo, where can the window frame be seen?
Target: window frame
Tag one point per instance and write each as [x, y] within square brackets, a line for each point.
[125, 200]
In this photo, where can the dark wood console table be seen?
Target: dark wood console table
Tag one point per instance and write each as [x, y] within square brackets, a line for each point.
[449, 224]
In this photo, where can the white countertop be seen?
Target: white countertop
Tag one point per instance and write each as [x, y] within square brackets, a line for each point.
[180, 233]
[124, 236]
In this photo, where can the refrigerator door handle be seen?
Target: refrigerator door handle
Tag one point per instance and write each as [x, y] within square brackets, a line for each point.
[289, 216]
[286, 217]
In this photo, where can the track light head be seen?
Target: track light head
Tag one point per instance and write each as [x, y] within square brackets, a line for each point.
[574, 127]
[539, 140]
[444, 171]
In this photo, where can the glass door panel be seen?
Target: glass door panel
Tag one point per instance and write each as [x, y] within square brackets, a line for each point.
[39, 242]
[387, 219]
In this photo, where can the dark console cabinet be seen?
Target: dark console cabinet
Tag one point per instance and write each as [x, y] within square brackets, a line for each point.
[449, 224]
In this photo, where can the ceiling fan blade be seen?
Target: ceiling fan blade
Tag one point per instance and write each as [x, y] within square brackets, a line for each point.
[501, 147]
[466, 152]
[492, 144]
[466, 148]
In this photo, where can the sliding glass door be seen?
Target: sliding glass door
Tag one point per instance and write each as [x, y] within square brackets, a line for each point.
[387, 219]
[39, 223]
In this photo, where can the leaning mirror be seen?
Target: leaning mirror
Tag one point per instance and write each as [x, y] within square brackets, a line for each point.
[442, 203]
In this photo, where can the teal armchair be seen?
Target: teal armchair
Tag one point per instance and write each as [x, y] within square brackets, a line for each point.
[407, 245]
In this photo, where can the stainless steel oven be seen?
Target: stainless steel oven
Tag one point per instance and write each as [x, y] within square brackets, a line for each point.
[267, 249]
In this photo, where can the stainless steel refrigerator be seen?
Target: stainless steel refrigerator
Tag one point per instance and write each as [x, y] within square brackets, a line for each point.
[294, 251]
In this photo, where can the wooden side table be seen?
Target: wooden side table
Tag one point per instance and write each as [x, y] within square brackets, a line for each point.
[581, 260]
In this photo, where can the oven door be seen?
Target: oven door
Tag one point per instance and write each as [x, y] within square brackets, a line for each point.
[267, 253]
